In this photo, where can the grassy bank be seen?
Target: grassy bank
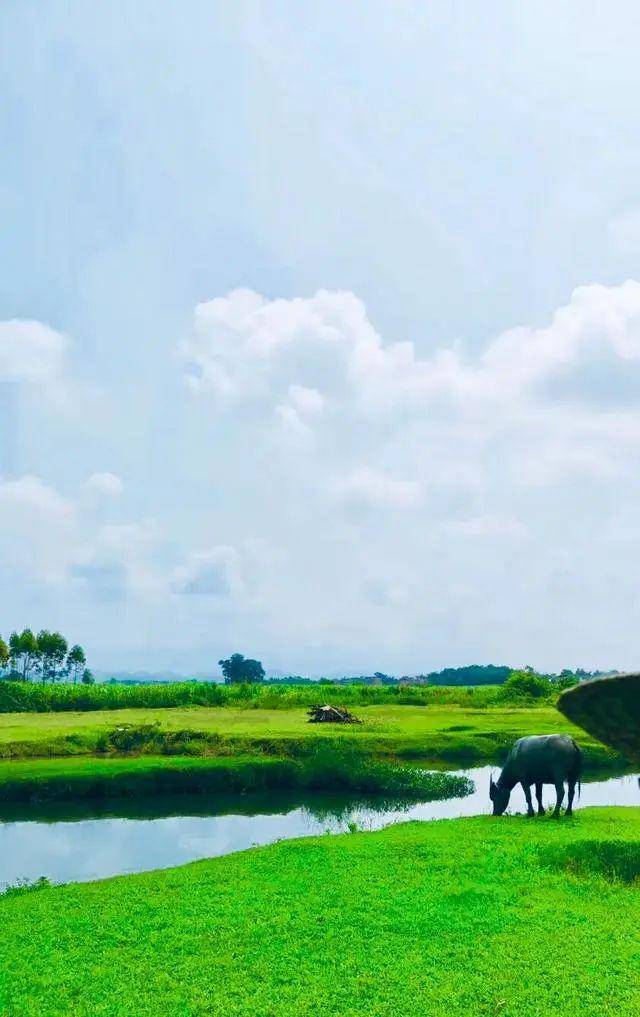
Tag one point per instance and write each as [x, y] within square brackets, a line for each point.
[450, 734]
[81, 779]
[477, 917]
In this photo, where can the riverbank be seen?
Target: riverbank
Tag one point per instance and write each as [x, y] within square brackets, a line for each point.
[450, 734]
[474, 916]
[333, 769]
[88, 839]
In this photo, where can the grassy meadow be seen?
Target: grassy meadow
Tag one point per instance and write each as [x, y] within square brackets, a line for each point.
[479, 917]
[449, 733]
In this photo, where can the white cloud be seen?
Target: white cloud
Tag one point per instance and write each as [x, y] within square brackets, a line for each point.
[35, 358]
[46, 537]
[104, 484]
[307, 401]
[31, 495]
[37, 524]
[249, 347]
[548, 401]
[299, 412]
[31, 352]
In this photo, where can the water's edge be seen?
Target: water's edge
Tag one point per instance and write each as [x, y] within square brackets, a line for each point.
[59, 842]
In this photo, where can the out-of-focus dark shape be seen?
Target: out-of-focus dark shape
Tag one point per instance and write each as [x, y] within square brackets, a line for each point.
[609, 709]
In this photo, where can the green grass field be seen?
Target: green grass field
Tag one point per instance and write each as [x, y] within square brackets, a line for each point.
[480, 917]
[447, 733]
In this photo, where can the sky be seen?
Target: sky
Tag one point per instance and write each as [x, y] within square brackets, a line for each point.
[320, 332]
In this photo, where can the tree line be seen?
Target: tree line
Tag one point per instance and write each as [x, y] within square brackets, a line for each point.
[46, 657]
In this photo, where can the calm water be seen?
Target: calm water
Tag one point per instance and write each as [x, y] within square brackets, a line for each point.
[65, 846]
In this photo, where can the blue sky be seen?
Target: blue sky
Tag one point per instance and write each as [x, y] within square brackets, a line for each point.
[259, 384]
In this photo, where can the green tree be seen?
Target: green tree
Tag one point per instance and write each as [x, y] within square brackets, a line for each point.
[52, 649]
[237, 669]
[526, 685]
[76, 662]
[5, 654]
[87, 677]
[23, 654]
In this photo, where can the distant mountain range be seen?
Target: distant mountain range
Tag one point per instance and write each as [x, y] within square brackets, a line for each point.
[155, 676]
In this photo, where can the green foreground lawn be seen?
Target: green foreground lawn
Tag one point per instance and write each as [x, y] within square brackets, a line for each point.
[449, 733]
[509, 917]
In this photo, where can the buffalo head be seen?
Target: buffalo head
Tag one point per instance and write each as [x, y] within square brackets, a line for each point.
[499, 796]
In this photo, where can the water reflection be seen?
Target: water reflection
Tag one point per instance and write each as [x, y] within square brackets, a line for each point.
[64, 845]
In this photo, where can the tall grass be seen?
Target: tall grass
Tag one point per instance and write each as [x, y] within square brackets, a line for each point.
[29, 697]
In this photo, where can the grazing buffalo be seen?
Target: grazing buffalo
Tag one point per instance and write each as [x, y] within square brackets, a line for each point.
[539, 759]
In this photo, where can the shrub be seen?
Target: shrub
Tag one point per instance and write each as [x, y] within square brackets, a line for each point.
[151, 738]
[526, 685]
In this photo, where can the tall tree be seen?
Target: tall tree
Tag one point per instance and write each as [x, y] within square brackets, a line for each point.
[23, 654]
[76, 662]
[5, 654]
[237, 668]
[52, 648]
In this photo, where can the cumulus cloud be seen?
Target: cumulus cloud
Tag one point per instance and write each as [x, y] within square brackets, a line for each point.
[31, 352]
[32, 496]
[538, 396]
[34, 359]
[245, 346]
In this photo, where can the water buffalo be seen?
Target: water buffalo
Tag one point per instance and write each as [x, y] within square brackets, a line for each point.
[538, 759]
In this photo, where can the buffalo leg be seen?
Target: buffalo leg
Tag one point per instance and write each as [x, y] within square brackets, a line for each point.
[572, 791]
[539, 798]
[560, 794]
[527, 793]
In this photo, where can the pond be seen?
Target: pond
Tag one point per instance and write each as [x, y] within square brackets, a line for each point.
[67, 844]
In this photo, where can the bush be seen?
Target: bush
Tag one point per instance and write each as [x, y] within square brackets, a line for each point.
[331, 768]
[526, 685]
[152, 739]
